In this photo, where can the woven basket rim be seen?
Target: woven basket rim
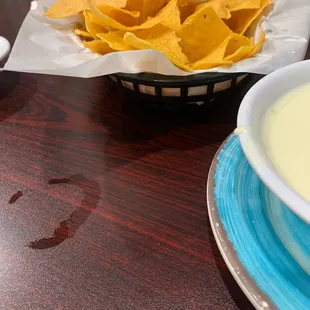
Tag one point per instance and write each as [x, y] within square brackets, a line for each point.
[159, 79]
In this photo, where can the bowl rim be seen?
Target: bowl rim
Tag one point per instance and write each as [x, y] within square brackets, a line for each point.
[254, 153]
[5, 51]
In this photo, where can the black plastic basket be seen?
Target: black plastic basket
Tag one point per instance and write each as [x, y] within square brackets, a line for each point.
[197, 89]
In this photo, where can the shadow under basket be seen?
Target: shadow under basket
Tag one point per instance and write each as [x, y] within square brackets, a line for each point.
[198, 89]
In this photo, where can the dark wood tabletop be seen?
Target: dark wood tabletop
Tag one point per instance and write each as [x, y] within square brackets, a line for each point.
[103, 199]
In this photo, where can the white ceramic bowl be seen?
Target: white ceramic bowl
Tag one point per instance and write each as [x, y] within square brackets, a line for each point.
[4, 47]
[250, 117]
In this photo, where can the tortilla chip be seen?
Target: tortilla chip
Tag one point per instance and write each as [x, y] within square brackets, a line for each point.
[165, 42]
[106, 9]
[164, 14]
[174, 21]
[112, 3]
[151, 8]
[115, 40]
[124, 17]
[235, 48]
[220, 8]
[214, 59]
[228, 47]
[187, 8]
[66, 8]
[83, 33]
[91, 27]
[147, 8]
[235, 41]
[206, 63]
[223, 8]
[241, 20]
[135, 14]
[134, 5]
[237, 5]
[201, 33]
[98, 46]
[247, 51]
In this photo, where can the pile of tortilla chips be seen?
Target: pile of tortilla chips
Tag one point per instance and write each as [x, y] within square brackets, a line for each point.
[193, 35]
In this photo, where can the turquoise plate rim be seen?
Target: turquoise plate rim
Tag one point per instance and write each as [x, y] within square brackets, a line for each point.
[258, 299]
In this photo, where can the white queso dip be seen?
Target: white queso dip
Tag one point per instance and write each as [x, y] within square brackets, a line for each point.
[286, 136]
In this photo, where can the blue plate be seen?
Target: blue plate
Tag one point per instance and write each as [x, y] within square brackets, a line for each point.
[264, 244]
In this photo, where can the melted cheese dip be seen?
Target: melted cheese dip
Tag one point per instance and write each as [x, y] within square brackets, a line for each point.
[286, 135]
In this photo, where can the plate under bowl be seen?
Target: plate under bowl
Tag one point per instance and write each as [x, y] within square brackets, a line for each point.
[263, 243]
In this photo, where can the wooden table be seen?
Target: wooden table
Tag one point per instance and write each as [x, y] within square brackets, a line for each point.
[111, 212]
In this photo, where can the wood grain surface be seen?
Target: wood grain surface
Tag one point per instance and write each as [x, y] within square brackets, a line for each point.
[103, 198]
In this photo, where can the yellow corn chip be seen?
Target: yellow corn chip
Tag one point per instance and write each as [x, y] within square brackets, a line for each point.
[98, 46]
[114, 40]
[174, 21]
[65, 8]
[241, 20]
[117, 14]
[83, 33]
[215, 58]
[91, 27]
[109, 10]
[223, 8]
[246, 51]
[206, 63]
[228, 47]
[164, 14]
[153, 32]
[240, 54]
[237, 5]
[134, 14]
[134, 5]
[234, 48]
[187, 8]
[152, 8]
[147, 8]
[235, 41]
[124, 17]
[219, 6]
[165, 42]
[113, 3]
[201, 33]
